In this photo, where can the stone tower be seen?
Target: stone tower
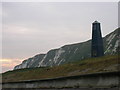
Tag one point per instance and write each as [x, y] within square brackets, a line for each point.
[97, 41]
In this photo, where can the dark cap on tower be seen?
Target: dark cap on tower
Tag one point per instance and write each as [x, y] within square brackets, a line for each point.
[96, 21]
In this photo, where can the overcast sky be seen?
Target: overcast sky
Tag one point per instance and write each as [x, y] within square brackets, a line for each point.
[36, 27]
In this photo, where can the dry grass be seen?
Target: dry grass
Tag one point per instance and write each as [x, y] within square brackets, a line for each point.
[91, 65]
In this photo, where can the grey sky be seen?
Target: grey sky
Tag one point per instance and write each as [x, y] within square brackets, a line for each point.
[32, 28]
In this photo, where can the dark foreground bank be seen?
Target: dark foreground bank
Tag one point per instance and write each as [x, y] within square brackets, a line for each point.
[115, 88]
[108, 80]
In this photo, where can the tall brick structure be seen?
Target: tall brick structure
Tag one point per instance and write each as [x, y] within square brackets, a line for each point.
[97, 41]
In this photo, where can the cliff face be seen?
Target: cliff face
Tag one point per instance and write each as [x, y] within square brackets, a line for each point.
[66, 54]
[31, 62]
[112, 42]
[73, 52]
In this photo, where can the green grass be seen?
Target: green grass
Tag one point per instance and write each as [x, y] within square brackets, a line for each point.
[91, 65]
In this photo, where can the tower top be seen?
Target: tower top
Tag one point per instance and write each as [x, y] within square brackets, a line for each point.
[96, 21]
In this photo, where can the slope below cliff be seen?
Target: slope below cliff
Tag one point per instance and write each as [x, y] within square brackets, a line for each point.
[107, 63]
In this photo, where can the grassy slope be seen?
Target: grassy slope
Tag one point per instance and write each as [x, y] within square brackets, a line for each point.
[92, 65]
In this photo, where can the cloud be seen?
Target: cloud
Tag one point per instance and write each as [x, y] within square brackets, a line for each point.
[8, 64]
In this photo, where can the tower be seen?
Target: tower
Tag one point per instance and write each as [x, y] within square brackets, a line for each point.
[97, 41]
